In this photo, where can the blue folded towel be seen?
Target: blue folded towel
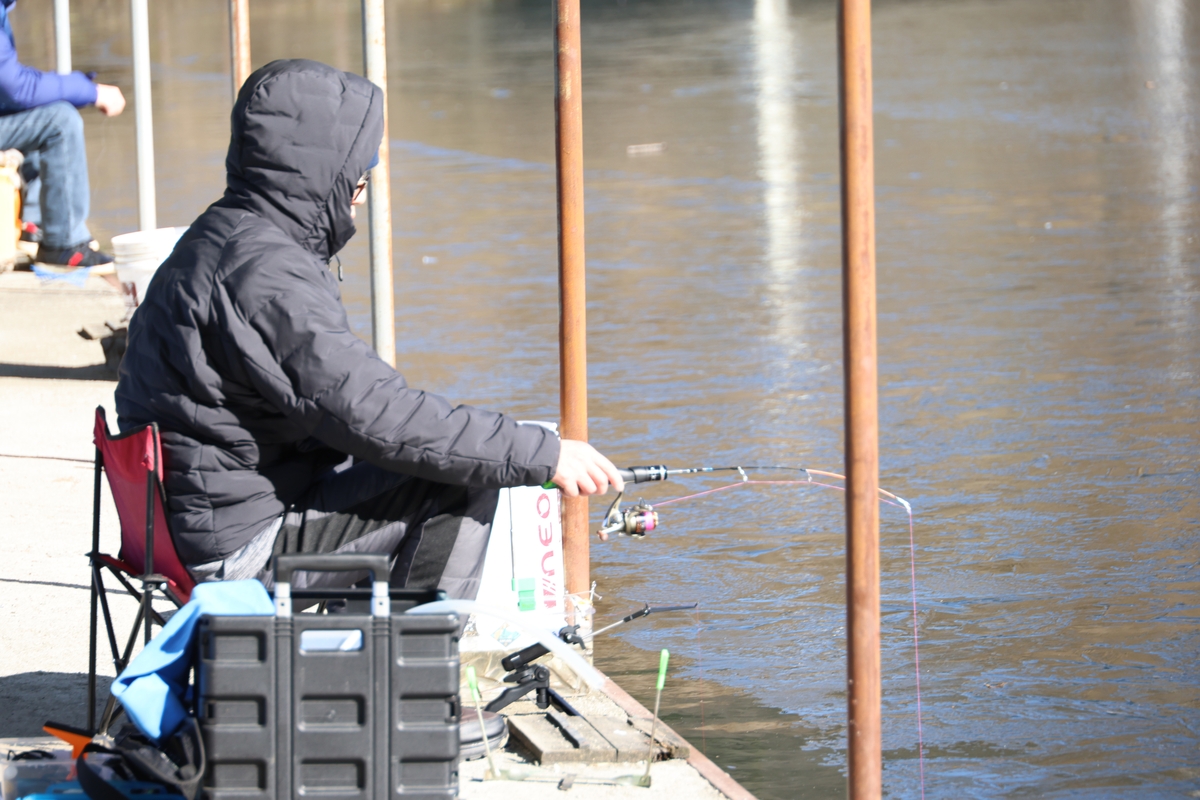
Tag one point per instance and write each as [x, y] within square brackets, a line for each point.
[153, 688]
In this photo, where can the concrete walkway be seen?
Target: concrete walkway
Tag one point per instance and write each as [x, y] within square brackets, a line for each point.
[51, 381]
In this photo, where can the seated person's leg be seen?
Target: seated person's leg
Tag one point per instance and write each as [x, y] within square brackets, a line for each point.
[448, 550]
[437, 533]
[66, 193]
[55, 133]
[31, 207]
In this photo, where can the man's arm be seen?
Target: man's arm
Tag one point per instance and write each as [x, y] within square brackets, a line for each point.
[23, 87]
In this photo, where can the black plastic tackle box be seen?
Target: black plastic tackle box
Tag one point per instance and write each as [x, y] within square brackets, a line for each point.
[332, 705]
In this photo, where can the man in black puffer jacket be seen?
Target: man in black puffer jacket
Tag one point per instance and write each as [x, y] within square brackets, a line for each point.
[283, 431]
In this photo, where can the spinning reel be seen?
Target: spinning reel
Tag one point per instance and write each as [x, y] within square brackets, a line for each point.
[636, 521]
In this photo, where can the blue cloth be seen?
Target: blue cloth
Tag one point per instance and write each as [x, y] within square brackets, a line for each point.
[76, 277]
[153, 688]
[51, 137]
[23, 87]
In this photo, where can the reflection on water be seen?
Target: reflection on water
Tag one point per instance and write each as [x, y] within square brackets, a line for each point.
[779, 155]
[1038, 260]
[1168, 109]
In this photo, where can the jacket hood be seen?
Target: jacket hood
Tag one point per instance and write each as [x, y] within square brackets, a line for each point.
[303, 134]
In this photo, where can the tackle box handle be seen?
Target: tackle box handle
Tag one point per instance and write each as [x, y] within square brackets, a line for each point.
[377, 564]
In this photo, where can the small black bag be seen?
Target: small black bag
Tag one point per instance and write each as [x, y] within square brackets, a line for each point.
[179, 764]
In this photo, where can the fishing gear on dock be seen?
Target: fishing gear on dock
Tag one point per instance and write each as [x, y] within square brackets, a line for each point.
[645, 611]
[529, 677]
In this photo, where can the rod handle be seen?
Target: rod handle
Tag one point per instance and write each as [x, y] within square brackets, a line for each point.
[656, 472]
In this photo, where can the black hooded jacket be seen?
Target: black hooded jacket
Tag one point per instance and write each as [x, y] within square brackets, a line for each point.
[241, 350]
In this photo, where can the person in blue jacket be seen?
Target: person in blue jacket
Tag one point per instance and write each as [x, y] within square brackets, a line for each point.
[38, 116]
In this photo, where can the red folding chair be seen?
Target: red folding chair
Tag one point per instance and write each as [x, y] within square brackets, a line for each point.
[132, 463]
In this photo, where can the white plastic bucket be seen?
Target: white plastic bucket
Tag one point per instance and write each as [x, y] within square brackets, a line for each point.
[139, 254]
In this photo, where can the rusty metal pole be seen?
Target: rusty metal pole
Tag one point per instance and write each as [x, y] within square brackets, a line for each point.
[239, 43]
[861, 400]
[383, 314]
[572, 319]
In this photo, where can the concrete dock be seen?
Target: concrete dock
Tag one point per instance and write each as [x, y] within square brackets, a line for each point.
[51, 381]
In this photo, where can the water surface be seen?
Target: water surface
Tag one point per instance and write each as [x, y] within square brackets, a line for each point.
[1039, 260]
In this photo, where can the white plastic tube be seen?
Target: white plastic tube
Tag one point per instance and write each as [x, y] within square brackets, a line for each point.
[144, 117]
[557, 646]
[62, 36]
[383, 312]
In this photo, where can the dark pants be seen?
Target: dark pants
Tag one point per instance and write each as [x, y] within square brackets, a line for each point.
[437, 534]
[51, 137]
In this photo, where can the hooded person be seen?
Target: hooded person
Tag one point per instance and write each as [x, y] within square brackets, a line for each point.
[283, 432]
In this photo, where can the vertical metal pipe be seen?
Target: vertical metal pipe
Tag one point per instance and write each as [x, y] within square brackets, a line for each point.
[861, 399]
[239, 43]
[572, 295]
[383, 315]
[62, 36]
[147, 216]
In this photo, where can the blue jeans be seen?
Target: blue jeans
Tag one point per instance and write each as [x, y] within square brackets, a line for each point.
[51, 137]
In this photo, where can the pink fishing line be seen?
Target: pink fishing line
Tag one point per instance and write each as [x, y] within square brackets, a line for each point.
[912, 561]
[734, 486]
[703, 685]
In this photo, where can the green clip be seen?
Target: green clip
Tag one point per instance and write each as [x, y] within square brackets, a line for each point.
[525, 592]
[662, 668]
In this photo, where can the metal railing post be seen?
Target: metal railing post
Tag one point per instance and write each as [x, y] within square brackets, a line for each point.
[62, 36]
[383, 315]
[239, 43]
[572, 295]
[865, 766]
[147, 214]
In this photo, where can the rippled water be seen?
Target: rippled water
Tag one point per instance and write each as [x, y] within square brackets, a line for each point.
[1039, 260]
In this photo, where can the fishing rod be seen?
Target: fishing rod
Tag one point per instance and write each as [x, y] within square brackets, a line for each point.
[571, 635]
[528, 677]
[641, 518]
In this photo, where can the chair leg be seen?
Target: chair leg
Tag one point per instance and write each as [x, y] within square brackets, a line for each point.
[148, 588]
[108, 621]
[147, 609]
[137, 623]
[154, 615]
[99, 463]
[91, 691]
[106, 718]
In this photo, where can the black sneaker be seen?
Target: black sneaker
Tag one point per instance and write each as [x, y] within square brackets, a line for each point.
[31, 233]
[78, 256]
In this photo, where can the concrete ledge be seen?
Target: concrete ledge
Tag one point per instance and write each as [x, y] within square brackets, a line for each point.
[719, 778]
